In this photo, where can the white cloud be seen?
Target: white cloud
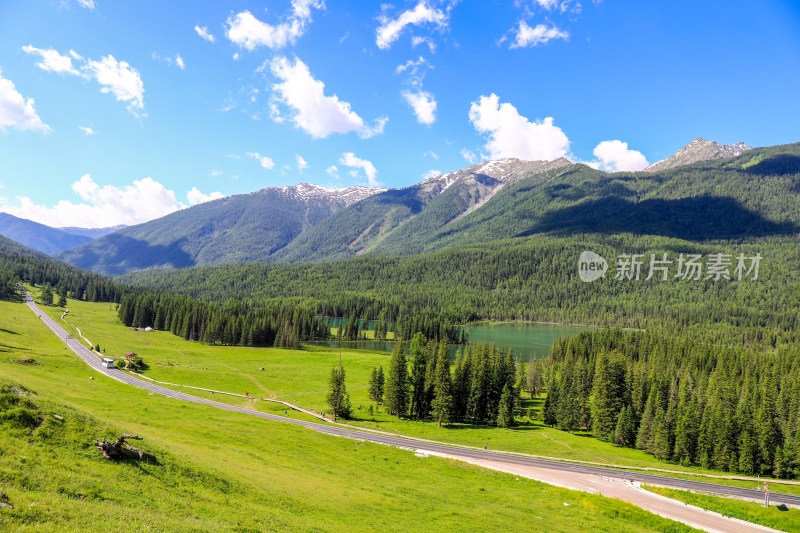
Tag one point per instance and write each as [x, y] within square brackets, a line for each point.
[512, 135]
[431, 174]
[265, 161]
[469, 156]
[119, 79]
[332, 171]
[349, 159]
[416, 41]
[88, 4]
[614, 156]
[301, 163]
[179, 62]
[203, 32]
[424, 105]
[315, 113]
[539, 34]
[548, 4]
[104, 206]
[248, 32]
[115, 77]
[390, 29]
[86, 130]
[52, 61]
[431, 153]
[196, 197]
[16, 111]
[216, 173]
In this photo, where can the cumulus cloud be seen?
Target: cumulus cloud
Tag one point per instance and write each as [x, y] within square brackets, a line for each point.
[332, 171]
[196, 197]
[538, 35]
[349, 159]
[248, 32]
[424, 105]
[314, 112]
[432, 173]
[422, 102]
[115, 77]
[179, 62]
[615, 156]
[204, 34]
[469, 156]
[301, 163]
[512, 135]
[265, 161]
[86, 130]
[52, 61]
[16, 111]
[391, 28]
[119, 79]
[104, 206]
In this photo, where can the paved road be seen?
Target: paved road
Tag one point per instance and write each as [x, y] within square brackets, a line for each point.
[609, 482]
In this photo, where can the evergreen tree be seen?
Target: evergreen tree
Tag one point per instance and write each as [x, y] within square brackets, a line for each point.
[443, 396]
[505, 416]
[607, 394]
[396, 395]
[625, 431]
[338, 397]
[419, 366]
[62, 301]
[376, 381]
[47, 295]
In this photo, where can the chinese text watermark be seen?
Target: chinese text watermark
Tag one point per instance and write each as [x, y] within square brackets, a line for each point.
[694, 267]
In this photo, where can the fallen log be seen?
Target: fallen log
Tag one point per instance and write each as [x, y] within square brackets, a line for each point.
[121, 448]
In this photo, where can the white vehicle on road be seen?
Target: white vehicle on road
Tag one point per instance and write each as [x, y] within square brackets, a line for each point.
[108, 362]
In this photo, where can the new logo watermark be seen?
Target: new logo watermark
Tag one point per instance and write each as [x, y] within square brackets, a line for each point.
[592, 266]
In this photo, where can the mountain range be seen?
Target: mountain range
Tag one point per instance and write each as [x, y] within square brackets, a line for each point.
[705, 191]
[45, 238]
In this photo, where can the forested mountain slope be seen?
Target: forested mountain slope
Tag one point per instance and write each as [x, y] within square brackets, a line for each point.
[38, 236]
[241, 228]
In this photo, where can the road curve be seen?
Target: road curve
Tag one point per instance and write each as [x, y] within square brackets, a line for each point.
[610, 482]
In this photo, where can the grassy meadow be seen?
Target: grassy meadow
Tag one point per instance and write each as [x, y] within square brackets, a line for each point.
[301, 377]
[220, 471]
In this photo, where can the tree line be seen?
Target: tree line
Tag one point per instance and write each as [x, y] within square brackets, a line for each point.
[680, 398]
[232, 323]
[420, 383]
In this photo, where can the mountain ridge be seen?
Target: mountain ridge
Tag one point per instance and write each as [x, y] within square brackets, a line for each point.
[696, 151]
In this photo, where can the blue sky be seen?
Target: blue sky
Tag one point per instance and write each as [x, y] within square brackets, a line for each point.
[119, 112]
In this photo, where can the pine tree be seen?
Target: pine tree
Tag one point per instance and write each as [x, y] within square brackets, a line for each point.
[397, 393]
[607, 393]
[625, 431]
[376, 384]
[47, 295]
[62, 301]
[443, 395]
[419, 365]
[338, 398]
[505, 416]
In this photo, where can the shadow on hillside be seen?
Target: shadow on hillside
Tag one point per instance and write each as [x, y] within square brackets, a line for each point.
[405, 197]
[777, 165]
[121, 254]
[699, 218]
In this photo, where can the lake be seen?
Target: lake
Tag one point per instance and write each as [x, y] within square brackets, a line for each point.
[526, 338]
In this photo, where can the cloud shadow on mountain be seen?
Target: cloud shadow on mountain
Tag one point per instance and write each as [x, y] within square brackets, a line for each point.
[698, 218]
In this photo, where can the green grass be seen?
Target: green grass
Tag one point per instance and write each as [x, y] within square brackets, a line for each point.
[301, 377]
[221, 471]
[785, 519]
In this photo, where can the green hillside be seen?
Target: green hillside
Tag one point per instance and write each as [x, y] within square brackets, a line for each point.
[38, 236]
[235, 229]
[222, 471]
